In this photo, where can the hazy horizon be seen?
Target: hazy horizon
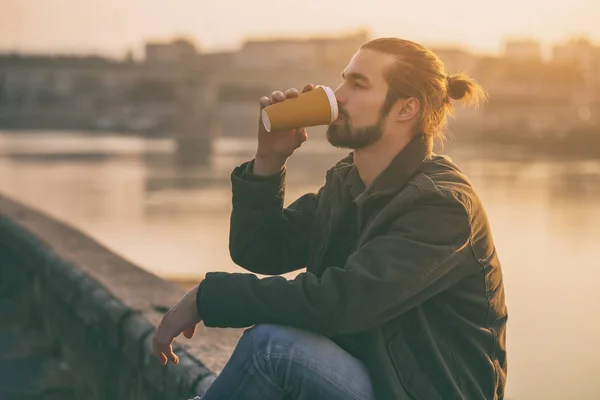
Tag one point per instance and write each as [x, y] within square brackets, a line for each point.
[113, 27]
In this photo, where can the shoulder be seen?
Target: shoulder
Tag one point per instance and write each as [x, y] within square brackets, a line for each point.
[441, 180]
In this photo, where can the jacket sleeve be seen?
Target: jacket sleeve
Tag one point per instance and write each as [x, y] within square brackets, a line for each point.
[264, 237]
[418, 258]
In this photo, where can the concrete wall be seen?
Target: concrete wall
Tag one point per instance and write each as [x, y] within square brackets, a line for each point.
[100, 310]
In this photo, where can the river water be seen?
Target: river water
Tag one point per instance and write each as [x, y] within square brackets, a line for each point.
[131, 195]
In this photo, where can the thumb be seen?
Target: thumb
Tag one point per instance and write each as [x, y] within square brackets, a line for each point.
[189, 332]
[301, 135]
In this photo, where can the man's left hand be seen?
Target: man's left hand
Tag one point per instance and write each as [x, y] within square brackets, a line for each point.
[181, 318]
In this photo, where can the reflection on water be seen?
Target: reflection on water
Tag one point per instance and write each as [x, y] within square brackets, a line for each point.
[131, 195]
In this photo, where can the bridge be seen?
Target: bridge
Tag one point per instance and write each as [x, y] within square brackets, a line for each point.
[225, 103]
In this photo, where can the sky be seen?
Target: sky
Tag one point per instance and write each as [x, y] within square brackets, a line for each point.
[112, 27]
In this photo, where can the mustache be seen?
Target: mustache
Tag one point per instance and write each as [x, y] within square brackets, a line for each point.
[341, 111]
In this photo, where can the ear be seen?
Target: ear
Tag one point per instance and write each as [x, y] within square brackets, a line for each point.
[407, 109]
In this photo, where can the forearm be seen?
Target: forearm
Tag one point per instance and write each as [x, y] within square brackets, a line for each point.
[264, 237]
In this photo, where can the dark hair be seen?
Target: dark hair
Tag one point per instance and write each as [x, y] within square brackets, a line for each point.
[419, 73]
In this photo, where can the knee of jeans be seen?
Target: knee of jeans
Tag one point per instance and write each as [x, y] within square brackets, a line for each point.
[265, 336]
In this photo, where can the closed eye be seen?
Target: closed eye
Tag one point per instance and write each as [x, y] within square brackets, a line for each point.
[356, 79]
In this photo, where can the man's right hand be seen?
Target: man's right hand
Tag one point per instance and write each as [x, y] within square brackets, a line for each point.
[274, 148]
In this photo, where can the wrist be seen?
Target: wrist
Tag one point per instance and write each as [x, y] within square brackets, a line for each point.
[268, 165]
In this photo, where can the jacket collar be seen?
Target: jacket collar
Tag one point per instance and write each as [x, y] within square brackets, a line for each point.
[391, 179]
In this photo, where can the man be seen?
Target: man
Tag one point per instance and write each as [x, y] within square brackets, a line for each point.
[402, 297]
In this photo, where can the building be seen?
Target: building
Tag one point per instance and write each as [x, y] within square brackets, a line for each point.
[530, 98]
[585, 56]
[69, 92]
[456, 59]
[523, 50]
[177, 51]
[312, 53]
[207, 63]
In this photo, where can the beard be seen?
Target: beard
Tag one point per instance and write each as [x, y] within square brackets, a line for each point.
[346, 137]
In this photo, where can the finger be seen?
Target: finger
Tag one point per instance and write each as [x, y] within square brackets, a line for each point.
[291, 93]
[162, 348]
[308, 87]
[264, 101]
[162, 358]
[167, 354]
[189, 332]
[171, 355]
[162, 352]
[277, 96]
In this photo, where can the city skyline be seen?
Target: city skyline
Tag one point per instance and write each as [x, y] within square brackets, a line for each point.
[112, 28]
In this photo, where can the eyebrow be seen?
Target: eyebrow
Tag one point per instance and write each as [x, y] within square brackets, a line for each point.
[355, 76]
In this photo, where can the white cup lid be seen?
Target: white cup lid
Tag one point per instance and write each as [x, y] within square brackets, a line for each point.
[332, 102]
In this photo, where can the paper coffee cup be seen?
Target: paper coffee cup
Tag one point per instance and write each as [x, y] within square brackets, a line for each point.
[315, 107]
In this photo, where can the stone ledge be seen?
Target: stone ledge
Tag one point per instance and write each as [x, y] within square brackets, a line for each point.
[97, 303]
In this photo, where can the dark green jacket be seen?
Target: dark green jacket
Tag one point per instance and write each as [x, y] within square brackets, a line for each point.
[421, 296]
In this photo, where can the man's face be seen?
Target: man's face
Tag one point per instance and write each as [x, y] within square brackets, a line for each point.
[361, 97]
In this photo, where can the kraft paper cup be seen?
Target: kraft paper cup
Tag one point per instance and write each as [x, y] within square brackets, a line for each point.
[315, 107]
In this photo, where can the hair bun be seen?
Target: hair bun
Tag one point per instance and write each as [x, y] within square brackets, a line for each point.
[458, 86]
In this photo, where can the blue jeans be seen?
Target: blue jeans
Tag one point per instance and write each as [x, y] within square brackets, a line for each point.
[273, 362]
